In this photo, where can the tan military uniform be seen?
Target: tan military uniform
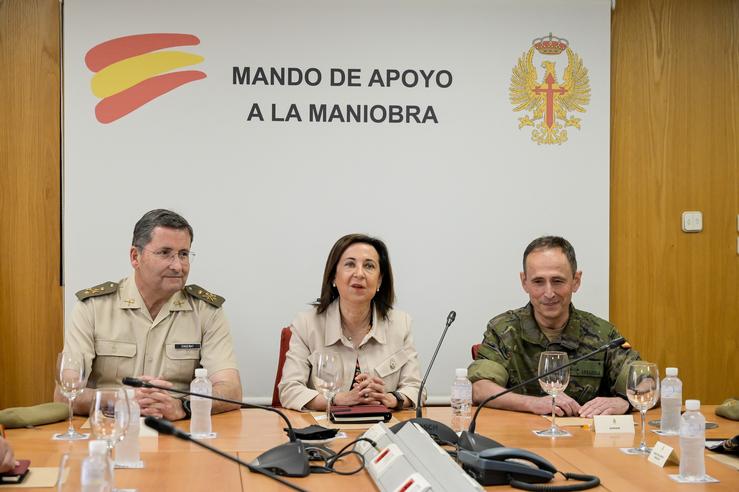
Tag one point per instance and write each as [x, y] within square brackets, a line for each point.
[387, 351]
[112, 327]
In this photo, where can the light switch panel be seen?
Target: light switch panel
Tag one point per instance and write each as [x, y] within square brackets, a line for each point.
[692, 221]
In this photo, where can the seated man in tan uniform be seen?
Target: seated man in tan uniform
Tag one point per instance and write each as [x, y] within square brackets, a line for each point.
[154, 327]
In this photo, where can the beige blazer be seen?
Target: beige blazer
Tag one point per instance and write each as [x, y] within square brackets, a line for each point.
[387, 351]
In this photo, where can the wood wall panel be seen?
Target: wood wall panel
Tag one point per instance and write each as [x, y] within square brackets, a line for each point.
[674, 134]
[30, 294]
[675, 147]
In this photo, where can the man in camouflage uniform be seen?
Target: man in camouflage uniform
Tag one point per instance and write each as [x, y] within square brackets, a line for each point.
[154, 327]
[513, 341]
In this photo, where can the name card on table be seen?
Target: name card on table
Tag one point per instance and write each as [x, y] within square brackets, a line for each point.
[662, 453]
[613, 424]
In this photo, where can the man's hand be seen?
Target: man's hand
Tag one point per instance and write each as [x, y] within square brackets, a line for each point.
[484, 388]
[7, 460]
[159, 403]
[564, 405]
[604, 406]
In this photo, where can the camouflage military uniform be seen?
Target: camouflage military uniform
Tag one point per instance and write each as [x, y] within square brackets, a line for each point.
[513, 341]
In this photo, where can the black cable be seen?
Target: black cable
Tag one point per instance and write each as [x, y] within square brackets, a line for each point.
[330, 461]
[588, 482]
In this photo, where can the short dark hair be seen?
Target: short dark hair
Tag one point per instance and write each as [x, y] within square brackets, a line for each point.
[157, 218]
[385, 297]
[552, 242]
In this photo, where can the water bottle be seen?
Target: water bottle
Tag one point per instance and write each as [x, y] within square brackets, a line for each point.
[692, 442]
[672, 400]
[200, 420]
[461, 400]
[127, 452]
[96, 471]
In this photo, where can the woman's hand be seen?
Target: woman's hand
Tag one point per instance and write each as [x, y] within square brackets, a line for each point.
[364, 391]
[372, 390]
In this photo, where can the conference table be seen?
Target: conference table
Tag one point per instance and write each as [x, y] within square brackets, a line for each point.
[174, 464]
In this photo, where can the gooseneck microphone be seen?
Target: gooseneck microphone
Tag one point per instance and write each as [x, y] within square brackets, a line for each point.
[475, 442]
[164, 426]
[441, 433]
[288, 459]
[449, 320]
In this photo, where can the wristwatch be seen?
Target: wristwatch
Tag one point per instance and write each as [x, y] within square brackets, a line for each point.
[401, 400]
[186, 408]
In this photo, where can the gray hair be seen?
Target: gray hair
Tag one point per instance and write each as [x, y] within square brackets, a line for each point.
[552, 242]
[157, 218]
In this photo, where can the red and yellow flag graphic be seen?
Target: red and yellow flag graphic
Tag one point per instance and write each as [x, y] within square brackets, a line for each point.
[130, 71]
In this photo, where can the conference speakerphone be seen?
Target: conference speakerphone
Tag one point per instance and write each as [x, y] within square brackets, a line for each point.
[410, 461]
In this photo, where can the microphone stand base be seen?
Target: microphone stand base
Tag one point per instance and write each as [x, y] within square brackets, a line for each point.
[476, 442]
[440, 433]
[287, 459]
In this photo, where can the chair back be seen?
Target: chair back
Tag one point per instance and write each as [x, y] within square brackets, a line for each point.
[285, 335]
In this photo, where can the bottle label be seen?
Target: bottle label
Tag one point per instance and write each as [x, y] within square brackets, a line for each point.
[670, 392]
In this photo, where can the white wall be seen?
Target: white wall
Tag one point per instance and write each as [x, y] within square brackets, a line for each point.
[456, 201]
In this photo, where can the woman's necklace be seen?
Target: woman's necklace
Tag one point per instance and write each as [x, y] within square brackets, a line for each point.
[349, 337]
[364, 331]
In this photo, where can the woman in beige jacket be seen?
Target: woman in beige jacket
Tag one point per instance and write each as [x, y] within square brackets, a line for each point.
[354, 318]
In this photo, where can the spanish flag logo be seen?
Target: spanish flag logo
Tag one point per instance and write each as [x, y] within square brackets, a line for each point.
[132, 70]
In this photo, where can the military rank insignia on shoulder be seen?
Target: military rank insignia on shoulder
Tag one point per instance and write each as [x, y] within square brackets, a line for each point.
[99, 290]
[204, 295]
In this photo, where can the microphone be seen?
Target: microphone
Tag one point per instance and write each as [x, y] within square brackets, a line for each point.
[164, 426]
[136, 383]
[441, 433]
[287, 459]
[475, 442]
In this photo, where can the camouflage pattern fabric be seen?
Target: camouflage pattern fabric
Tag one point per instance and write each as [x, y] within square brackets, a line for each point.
[513, 341]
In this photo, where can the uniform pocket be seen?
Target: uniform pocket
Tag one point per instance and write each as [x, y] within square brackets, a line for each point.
[182, 360]
[585, 379]
[114, 360]
[389, 369]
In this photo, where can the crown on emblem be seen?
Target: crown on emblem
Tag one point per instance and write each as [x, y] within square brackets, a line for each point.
[550, 45]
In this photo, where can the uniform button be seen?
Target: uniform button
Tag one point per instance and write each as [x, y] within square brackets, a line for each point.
[150, 359]
[392, 363]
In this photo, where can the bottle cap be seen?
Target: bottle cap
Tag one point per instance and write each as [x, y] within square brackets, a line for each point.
[201, 372]
[692, 405]
[97, 447]
[131, 394]
[671, 372]
[461, 372]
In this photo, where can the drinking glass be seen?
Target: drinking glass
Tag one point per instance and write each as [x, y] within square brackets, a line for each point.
[69, 477]
[109, 416]
[642, 389]
[329, 373]
[554, 384]
[71, 380]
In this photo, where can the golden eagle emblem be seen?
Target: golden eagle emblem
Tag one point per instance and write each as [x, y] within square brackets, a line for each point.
[549, 106]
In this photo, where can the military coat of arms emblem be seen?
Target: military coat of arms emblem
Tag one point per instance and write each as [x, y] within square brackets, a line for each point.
[549, 105]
